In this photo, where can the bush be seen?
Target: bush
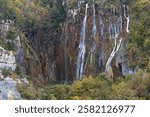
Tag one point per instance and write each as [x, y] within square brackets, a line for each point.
[19, 70]
[148, 67]
[121, 91]
[28, 91]
[5, 72]
[90, 88]
[10, 35]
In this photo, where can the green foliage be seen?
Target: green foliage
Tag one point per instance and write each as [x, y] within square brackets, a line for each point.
[57, 15]
[10, 45]
[121, 91]
[2, 43]
[132, 87]
[35, 13]
[47, 15]
[5, 72]
[59, 91]
[72, 3]
[148, 67]
[90, 88]
[139, 45]
[8, 42]
[19, 70]
[28, 91]
[140, 83]
[10, 34]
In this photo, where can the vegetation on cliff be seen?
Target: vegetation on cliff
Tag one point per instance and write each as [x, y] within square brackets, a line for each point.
[42, 27]
[138, 50]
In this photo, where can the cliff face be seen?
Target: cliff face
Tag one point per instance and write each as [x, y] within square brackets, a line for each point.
[87, 42]
[7, 85]
[60, 41]
[8, 88]
[92, 35]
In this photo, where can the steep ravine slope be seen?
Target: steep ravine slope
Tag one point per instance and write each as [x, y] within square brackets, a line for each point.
[64, 41]
[8, 65]
[91, 31]
[86, 43]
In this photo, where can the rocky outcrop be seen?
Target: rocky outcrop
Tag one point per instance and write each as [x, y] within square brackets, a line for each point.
[7, 60]
[8, 88]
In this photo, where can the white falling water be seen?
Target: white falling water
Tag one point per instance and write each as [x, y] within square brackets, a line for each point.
[82, 50]
[126, 15]
[114, 51]
[94, 22]
[111, 29]
[101, 56]
[101, 27]
[114, 30]
[93, 45]
[119, 24]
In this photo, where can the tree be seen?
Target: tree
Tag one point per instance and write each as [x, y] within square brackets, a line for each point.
[139, 45]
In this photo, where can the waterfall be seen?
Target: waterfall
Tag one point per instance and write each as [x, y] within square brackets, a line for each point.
[101, 27]
[114, 51]
[65, 40]
[82, 49]
[111, 33]
[126, 15]
[119, 24]
[93, 45]
[94, 22]
[101, 56]
[115, 28]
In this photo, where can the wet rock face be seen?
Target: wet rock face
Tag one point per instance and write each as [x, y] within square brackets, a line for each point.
[105, 30]
[80, 47]
[82, 44]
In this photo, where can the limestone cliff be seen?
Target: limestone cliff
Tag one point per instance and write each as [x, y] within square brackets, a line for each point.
[87, 41]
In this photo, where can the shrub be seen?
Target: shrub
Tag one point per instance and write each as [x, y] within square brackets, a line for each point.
[90, 88]
[5, 72]
[27, 91]
[10, 35]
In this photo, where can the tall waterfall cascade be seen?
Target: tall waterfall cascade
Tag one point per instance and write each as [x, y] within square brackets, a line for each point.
[82, 49]
[93, 45]
[115, 30]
